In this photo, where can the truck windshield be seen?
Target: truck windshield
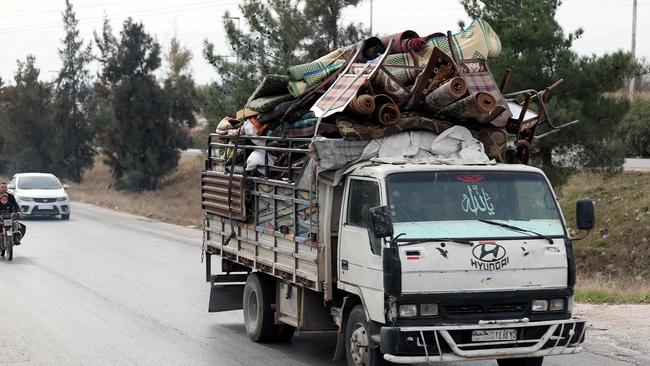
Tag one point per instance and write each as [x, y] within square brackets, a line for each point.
[451, 204]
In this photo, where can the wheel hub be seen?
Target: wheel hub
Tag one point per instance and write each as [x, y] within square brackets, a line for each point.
[359, 345]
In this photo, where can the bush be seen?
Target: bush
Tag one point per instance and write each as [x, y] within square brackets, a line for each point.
[635, 129]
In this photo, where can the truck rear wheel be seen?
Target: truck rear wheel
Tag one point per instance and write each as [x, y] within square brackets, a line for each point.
[258, 313]
[530, 361]
[358, 349]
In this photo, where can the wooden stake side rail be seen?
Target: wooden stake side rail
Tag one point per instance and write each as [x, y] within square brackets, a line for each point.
[270, 254]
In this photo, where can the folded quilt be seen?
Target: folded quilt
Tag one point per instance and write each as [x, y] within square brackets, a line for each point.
[266, 104]
[271, 85]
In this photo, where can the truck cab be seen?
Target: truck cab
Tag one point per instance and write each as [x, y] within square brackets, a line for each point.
[486, 266]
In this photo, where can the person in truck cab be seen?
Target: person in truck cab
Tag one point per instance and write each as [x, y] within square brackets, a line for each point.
[6, 208]
[12, 201]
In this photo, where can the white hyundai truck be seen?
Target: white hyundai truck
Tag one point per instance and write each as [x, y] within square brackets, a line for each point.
[409, 263]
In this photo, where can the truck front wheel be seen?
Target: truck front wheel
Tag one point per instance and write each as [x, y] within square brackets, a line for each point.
[530, 361]
[359, 351]
[258, 313]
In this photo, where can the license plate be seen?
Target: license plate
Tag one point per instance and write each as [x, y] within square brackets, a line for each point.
[7, 223]
[46, 207]
[494, 335]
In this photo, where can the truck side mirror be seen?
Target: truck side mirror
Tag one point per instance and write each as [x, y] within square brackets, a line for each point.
[585, 216]
[380, 222]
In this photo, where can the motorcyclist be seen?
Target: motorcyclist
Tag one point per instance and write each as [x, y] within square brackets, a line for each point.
[12, 201]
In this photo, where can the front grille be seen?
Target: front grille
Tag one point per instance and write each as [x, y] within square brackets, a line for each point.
[44, 200]
[478, 309]
[37, 211]
[463, 309]
[508, 308]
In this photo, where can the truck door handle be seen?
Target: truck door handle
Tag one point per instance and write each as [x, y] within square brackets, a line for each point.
[344, 264]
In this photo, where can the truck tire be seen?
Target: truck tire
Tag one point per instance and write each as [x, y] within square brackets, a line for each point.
[358, 350]
[258, 314]
[530, 361]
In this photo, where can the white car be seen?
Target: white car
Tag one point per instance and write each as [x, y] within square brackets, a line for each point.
[40, 194]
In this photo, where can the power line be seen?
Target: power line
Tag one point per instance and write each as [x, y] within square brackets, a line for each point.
[172, 9]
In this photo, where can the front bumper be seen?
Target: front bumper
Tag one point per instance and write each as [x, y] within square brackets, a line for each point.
[31, 208]
[445, 343]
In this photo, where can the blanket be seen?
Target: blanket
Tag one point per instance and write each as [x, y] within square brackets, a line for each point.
[271, 85]
[478, 41]
[266, 104]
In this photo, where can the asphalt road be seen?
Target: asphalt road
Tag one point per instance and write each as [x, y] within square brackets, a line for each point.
[107, 288]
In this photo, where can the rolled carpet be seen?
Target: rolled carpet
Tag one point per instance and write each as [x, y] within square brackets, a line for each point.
[352, 128]
[363, 104]
[475, 106]
[386, 111]
[297, 88]
[445, 94]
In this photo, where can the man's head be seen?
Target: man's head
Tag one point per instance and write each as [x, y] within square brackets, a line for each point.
[3, 187]
[4, 198]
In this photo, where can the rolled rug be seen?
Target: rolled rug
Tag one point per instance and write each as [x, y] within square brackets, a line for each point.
[474, 106]
[372, 48]
[386, 111]
[445, 94]
[399, 44]
[363, 104]
[297, 88]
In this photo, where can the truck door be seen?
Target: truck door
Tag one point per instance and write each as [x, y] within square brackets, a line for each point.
[359, 254]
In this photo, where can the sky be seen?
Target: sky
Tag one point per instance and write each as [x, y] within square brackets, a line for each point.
[35, 26]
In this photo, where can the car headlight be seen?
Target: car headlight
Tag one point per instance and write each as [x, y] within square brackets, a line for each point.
[24, 199]
[556, 305]
[61, 199]
[406, 311]
[429, 309]
[540, 305]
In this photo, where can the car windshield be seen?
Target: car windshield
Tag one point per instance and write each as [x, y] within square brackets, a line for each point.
[42, 182]
[457, 204]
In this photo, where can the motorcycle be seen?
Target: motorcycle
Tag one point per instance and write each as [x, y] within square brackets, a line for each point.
[7, 242]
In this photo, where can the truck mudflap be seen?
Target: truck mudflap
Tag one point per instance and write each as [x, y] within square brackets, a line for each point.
[512, 339]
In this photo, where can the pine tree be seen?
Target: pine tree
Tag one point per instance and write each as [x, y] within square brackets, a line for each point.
[140, 140]
[277, 34]
[27, 125]
[179, 86]
[538, 51]
[73, 150]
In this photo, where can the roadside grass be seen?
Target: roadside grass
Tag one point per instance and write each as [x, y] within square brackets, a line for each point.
[619, 245]
[177, 201]
[597, 290]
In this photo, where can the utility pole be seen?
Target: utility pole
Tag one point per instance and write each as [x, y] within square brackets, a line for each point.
[631, 90]
[371, 16]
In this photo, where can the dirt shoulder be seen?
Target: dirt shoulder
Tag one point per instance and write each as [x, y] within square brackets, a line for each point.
[621, 332]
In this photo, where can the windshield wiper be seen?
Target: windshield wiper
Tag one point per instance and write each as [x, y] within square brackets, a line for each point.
[402, 242]
[517, 228]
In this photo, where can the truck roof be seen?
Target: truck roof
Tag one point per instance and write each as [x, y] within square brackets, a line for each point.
[381, 170]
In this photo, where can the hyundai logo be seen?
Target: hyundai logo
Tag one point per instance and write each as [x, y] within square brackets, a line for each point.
[489, 252]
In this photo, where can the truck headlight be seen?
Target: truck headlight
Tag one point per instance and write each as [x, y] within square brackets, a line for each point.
[540, 305]
[556, 305]
[429, 309]
[407, 311]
